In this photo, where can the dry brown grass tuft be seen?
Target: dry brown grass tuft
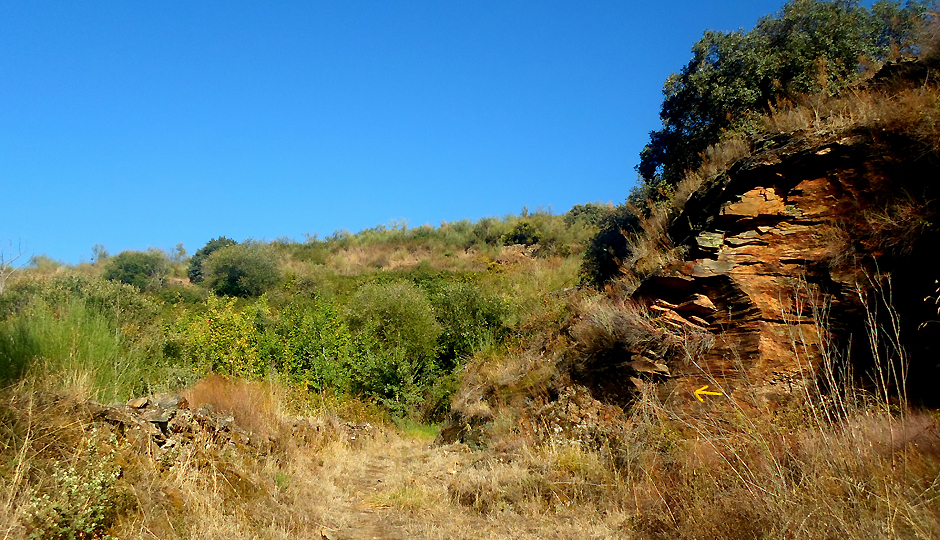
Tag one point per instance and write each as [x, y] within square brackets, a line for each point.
[254, 404]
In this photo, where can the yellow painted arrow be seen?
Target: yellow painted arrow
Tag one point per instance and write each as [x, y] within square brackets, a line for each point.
[702, 392]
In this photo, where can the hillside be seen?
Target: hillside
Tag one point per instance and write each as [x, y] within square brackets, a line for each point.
[744, 349]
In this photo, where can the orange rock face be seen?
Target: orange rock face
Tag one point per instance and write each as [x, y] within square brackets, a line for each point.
[776, 251]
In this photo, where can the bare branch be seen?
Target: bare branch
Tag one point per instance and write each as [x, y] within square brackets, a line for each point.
[8, 264]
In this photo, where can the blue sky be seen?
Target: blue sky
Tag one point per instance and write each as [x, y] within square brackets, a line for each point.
[145, 124]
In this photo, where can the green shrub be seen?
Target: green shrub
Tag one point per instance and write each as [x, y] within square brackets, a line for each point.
[313, 346]
[399, 315]
[489, 231]
[397, 341]
[120, 304]
[524, 232]
[469, 318]
[82, 501]
[222, 339]
[145, 270]
[243, 270]
[608, 248]
[44, 264]
[589, 214]
[197, 260]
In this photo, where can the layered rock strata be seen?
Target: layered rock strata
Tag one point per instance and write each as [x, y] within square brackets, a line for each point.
[781, 253]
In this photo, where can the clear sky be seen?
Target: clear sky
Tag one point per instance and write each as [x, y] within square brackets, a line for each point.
[144, 123]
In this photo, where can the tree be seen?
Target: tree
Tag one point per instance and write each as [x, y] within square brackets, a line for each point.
[145, 270]
[246, 269]
[811, 46]
[99, 253]
[524, 232]
[179, 253]
[589, 214]
[195, 263]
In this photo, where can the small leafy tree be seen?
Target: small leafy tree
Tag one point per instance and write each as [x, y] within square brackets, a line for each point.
[609, 248]
[145, 270]
[589, 214]
[400, 316]
[244, 270]
[469, 319]
[313, 347]
[197, 260]
[99, 253]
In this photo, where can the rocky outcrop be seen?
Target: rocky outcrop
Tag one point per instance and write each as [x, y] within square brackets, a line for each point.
[783, 250]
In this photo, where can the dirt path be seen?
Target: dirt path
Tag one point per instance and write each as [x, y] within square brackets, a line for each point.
[378, 487]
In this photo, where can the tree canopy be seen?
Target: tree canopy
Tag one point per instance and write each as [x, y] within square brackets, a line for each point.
[142, 269]
[197, 260]
[810, 46]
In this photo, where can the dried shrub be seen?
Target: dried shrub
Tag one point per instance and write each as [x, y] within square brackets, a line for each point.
[254, 404]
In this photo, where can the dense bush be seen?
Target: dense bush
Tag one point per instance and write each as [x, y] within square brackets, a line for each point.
[244, 270]
[523, 232]
[396, 335]
[313, 347]
[590, 214]
[197, 260]
[608, 248]
[401, 318]
[469, 318]
[118, 303]
[222, 340]
[145, 270]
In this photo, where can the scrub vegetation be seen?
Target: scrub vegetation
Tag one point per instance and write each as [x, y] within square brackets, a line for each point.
[425, 382]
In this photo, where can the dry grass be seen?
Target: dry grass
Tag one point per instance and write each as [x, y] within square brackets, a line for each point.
[913, 111]
[356, 260]
[652, 249]
[666, 472]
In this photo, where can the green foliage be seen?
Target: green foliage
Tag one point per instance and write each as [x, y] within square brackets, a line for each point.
[590, 214]
[120, 304]
[313, 346]
[73, 346]
[244, 270]
[396, 335]
[44, 264]
[400, 317]
[223, 339]
[811, 46]
[99, 253]
[608, 248]
[176, 293]
[18, 348]
[145, 270]
[523, 232]
[470, 320]
[197, 260]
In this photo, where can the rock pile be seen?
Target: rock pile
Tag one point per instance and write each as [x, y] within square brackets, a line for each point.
[158, 425]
